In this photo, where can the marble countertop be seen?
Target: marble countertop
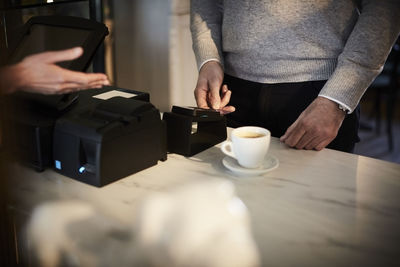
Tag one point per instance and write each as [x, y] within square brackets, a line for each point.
[325, 208]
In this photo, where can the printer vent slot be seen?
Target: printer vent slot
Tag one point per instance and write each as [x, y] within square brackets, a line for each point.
[87, 152]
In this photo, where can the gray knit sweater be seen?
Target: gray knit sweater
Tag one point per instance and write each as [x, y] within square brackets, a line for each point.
[274, 41]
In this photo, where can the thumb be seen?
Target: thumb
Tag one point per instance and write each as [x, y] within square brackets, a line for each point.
[63, 55]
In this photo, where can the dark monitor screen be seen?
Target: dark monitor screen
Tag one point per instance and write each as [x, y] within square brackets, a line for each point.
[10, 4]
[49, 38]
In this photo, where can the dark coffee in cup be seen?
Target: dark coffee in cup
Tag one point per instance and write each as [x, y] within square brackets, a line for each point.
[250, 135]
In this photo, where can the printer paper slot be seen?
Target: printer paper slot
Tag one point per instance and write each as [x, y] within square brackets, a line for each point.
[114, 93]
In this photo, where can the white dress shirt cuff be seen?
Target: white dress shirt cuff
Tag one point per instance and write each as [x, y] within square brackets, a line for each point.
[348, 109]
[208, 60]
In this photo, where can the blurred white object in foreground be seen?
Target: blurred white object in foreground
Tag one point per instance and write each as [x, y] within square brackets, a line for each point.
[201, 224]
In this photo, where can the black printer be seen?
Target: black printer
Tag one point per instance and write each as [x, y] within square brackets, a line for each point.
[109, 140]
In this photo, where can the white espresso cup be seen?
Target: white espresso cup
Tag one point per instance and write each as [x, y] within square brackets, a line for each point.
[249, 145]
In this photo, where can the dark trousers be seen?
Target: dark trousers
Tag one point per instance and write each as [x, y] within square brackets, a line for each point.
[277, 106]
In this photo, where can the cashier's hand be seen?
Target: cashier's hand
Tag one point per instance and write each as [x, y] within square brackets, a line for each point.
[208, 91]
[38, 73]
[316, 126]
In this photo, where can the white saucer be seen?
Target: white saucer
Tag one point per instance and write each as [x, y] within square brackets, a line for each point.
[270, 163]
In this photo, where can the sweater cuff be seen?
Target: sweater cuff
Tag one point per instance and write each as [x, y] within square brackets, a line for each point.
[348, 84]
[206, 50]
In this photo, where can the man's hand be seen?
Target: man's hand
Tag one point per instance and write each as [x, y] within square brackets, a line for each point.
[207, 91]
[316, 126]
[38, 73]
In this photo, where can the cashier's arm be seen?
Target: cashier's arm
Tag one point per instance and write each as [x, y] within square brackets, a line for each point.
[38, 73]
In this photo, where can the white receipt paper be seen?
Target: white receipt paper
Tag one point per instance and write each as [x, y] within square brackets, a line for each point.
[114, 93]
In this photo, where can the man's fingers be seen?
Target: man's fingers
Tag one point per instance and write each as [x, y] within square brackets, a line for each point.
[294, 137]
[94, 85]
[97, 78]
[313, 143]
[288, 131]
[50, 89]
[293, 134]
[322, 144]
[83, 78]
[214, 98]
[58, 56]
[226, 96]
[68, 87]
[227, 109]
[200, 94]
[305, 140]
[224, 89]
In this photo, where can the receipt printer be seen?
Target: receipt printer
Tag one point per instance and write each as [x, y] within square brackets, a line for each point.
[109, 140]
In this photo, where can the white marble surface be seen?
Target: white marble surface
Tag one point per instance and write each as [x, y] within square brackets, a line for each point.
[324, 208]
